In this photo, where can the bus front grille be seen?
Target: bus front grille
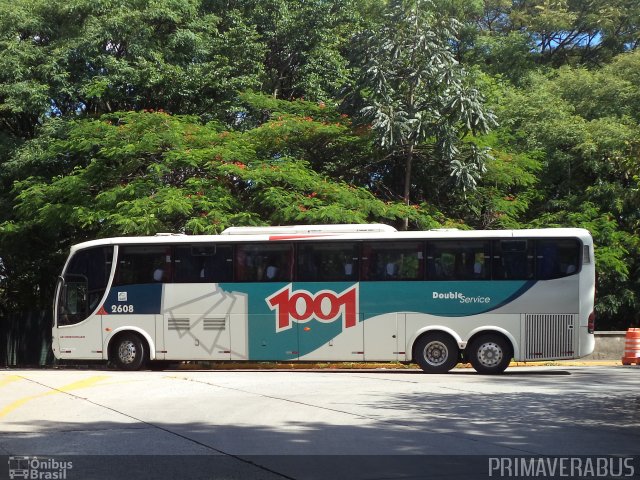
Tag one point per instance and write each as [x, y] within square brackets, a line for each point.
[549, 336]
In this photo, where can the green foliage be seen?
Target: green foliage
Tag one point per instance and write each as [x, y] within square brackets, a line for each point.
[413, 91]
[558, 32]
[508, 56]
[305, 42]
[138, 173]
[63, 58]
[507, 189]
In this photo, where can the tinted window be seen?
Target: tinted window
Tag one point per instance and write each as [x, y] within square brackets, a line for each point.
[392, 261]
[143, 264]
[264, 262]
[85, 281]
[326, 262]
[458, 260]
[513, 259]
[203, 263]
[557, 258]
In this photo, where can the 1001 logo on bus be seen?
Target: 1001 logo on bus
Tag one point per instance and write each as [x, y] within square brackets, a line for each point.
[325, 306]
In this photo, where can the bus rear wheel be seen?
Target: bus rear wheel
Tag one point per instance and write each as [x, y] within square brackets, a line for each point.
[129, 352]
[489, 354]
[436, 352]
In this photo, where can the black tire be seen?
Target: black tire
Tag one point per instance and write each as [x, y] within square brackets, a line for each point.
[436, 352]
[489, 354]
[129, 352]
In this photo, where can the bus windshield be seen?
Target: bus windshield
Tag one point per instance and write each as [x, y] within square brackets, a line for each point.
[83, 284]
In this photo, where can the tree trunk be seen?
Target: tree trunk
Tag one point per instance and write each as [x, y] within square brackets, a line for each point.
[407, 183]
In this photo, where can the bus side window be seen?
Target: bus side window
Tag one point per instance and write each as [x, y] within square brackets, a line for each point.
[218, 267]
[398, 260]
[513, 259]
[186, 266]
[270, 262]
[557, 258]
[327, 262]
[143, 264]
[203, 263]
[458, 260]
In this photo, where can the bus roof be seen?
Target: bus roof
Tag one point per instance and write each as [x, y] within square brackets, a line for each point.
[309, 229]
[330, 232]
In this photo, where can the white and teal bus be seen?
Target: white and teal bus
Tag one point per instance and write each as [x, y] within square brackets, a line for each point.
[355, 293]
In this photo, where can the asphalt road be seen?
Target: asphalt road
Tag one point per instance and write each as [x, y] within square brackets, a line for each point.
[297, 424]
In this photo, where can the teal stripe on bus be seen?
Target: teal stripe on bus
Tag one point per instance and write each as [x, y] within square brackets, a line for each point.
[447, 299]
[276, 311]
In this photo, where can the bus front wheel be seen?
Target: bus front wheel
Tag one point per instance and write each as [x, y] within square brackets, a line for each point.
[436, 352]
[489, 354]
[129, 352]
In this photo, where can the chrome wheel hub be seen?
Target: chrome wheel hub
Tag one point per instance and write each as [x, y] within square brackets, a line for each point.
[490, 354]
[436, 353]
[127, 352]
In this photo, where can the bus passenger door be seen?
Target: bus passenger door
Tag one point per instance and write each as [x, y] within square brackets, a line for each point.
[197, 322]
[79, 335]
[78, 331]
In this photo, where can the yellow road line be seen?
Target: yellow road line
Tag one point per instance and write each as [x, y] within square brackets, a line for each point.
[86, 383]
[5, 379]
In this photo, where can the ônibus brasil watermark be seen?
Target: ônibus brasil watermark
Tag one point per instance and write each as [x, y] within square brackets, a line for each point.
[562, 467]
[38, 468]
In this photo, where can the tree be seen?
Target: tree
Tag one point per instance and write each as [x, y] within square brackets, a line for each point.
[576, 31]
[508, 38]
[138, 173]
[65, 58]
[412, 90]
[506, 191]
[585, 124]
[304, 44]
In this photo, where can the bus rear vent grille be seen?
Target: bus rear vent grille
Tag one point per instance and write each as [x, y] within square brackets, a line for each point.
[549, 336]
[215, 323]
